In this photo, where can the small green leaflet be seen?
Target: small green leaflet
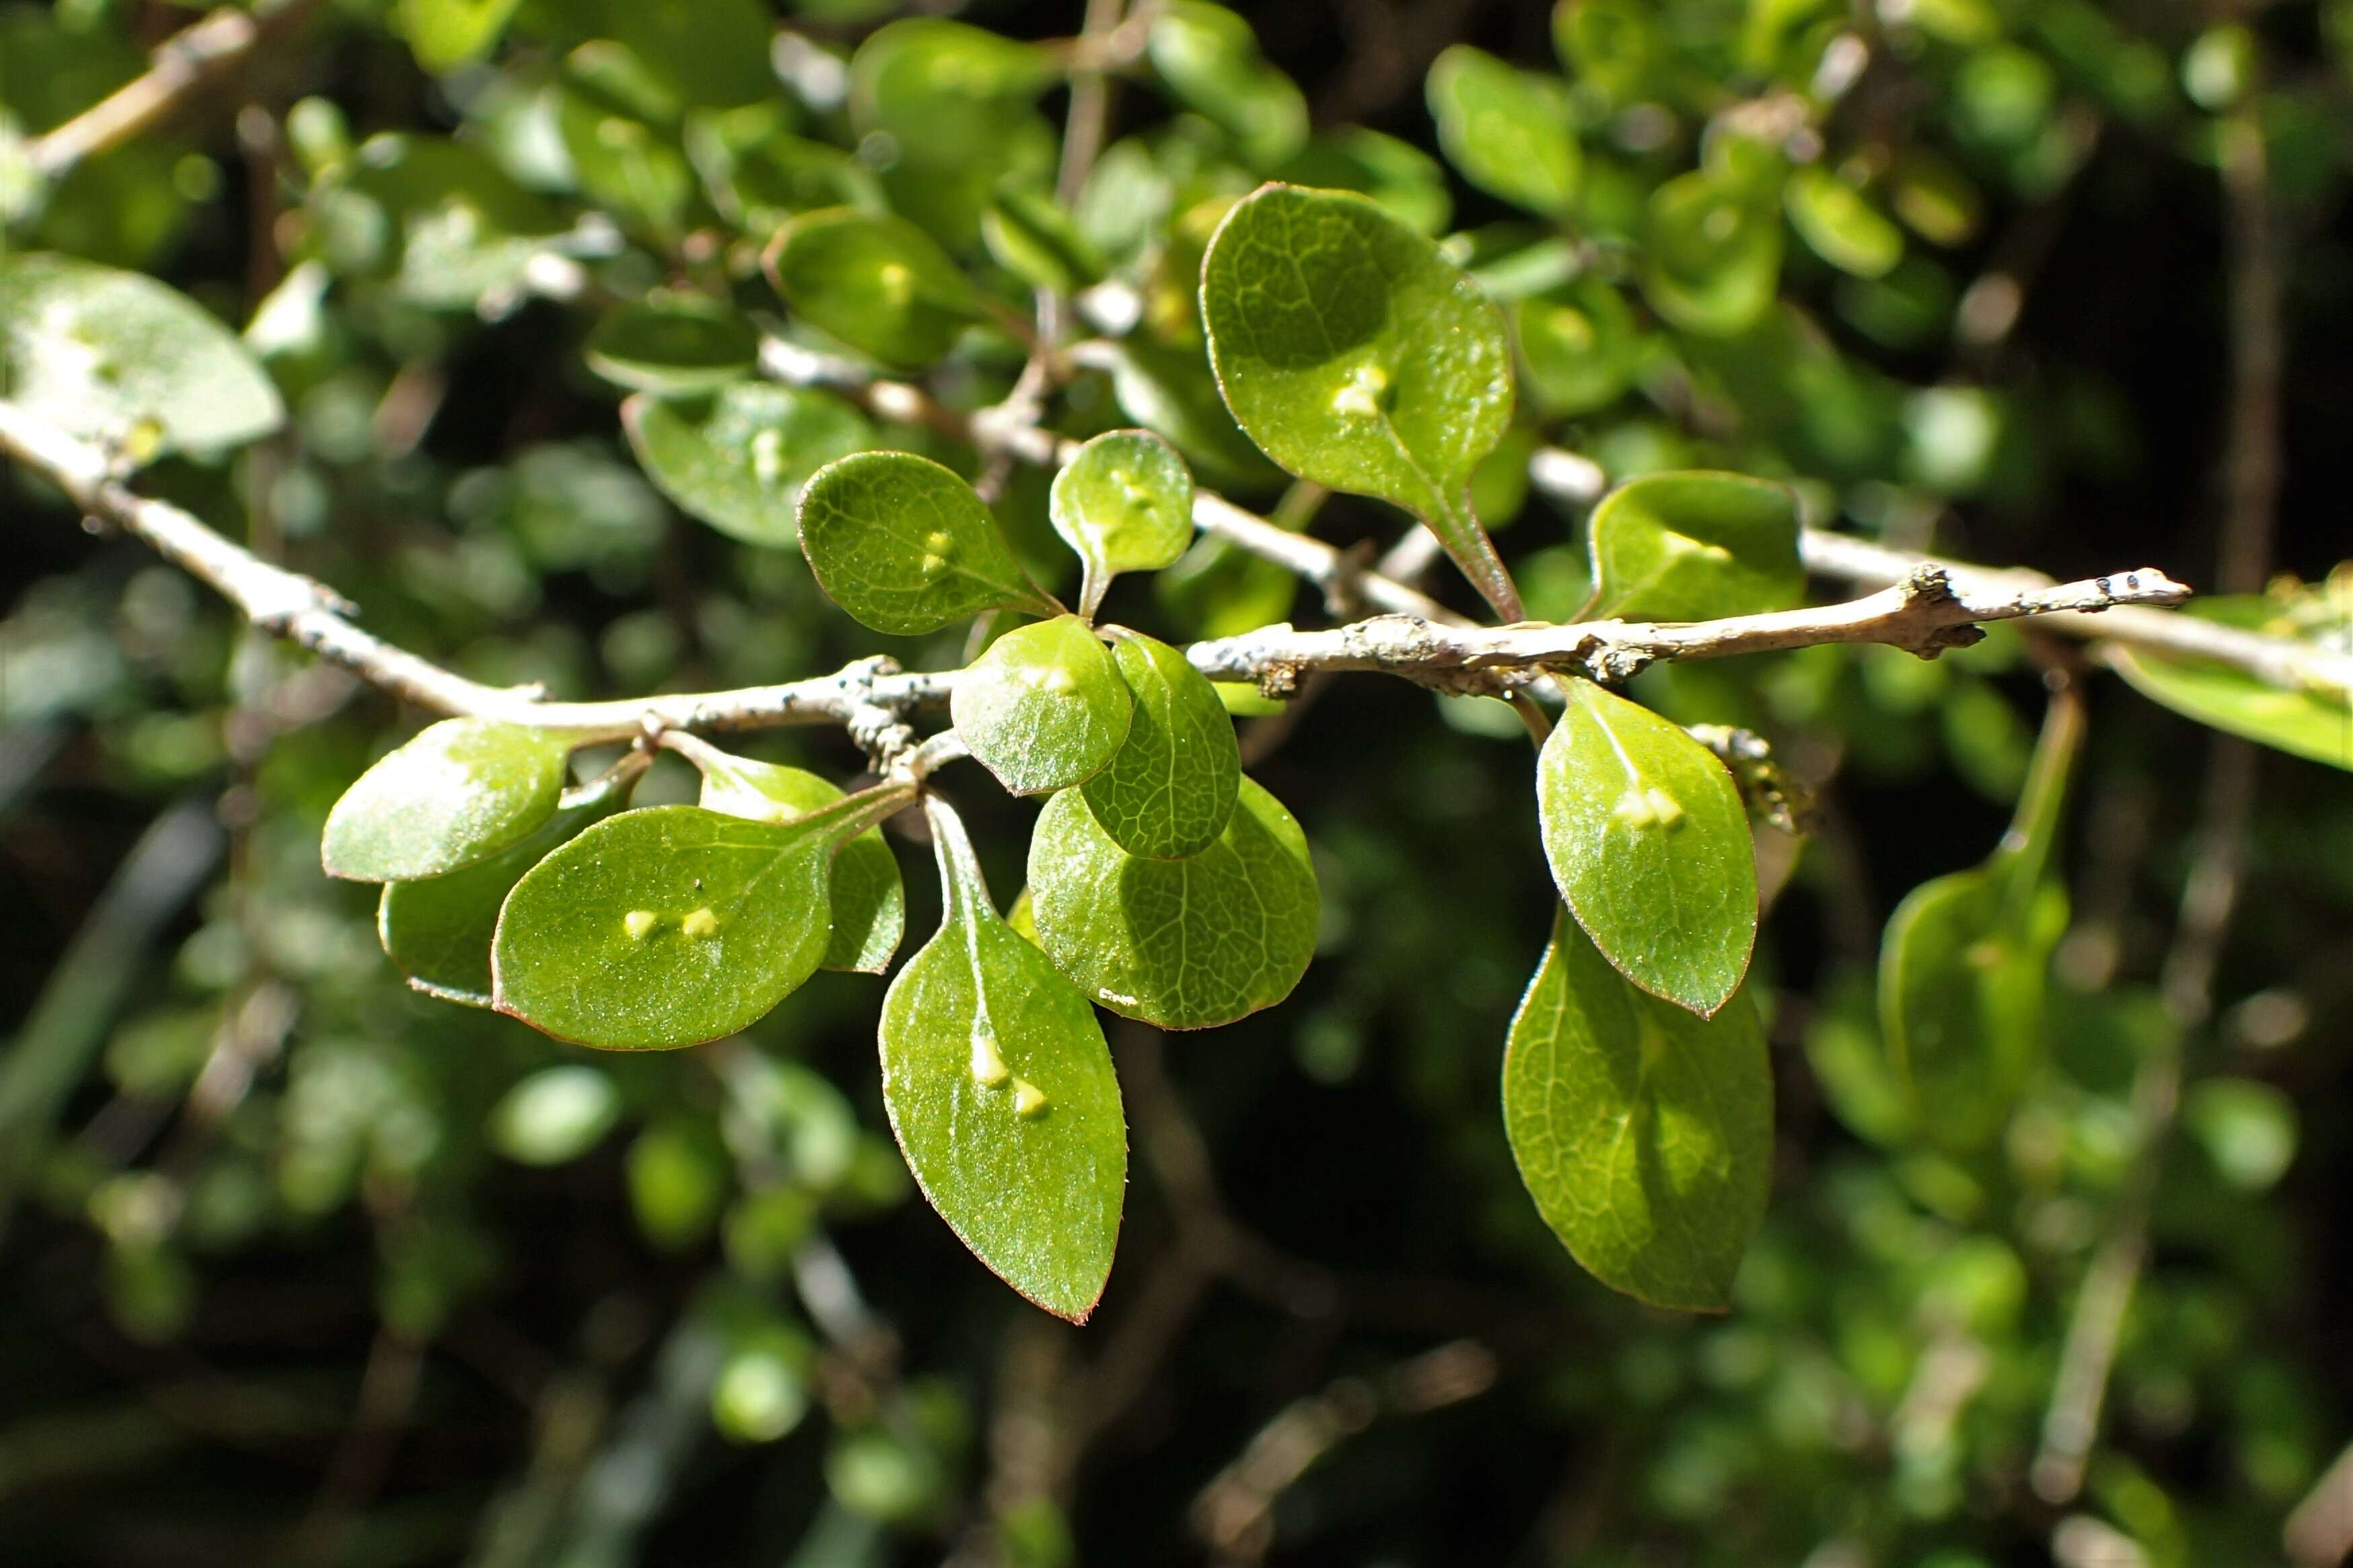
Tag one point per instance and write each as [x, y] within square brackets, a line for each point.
[1036, 240]
[1649, 847]
[1170, 791]
[446, 34]
[1507, 130]
[460, 790]
[1185, 945]
[738, 460]
[1044, 708]
[869, 906]
[1839, 224]
[757, 173]
[438, 931]
[1210, 59]
[1124, 504]
[1694, 546]
[673, 343]
[555, 1115]
[1715, 253]
[673, 925]
[115, 357]
[1644, 1134]
[1581, 344]
[1000, 1091]
[2316, 724]
[906, 547]
[875, 281]
[1357, 356]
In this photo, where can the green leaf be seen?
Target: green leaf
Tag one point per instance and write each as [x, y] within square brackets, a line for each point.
[2314, 724]
[757, 173]
[1507, 130]
[462, 789]
[1172, 392]
[1000, 1091]
[1400, 175]
[1358, 357]
[438, 931]
[672, 925]
[115, 357]
[672, 343]
[1715, 253]
[555, 1115]
[1210, 59]
[1044, 708]
[452, 229]
[619, 122]
[1185, 945]
[875, 281]
[1644, 1134]
[1840, 226]
[1649, 847]
[1033, 238]
[906, 547]
[1124, 504]
[1694, 546]
[1581, 345]
[1170, 791]
[739, 461]
[446, 34]
[957, 104]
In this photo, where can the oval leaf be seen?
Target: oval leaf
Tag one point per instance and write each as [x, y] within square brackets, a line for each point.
[1185, 945]
[1210, 59]
[1359, 357]
[1644, 1134]
[1000, 1091]
[1124, 504]
[1649, 847]
[672, 925]
[674, 343]
[1044, 708]
[1839, 224]
[2314, 724]
[875, 281]
[1170, 791]
[1715, 253]
[1581, 344]
[1694, 546]
[460, 790]
[739, 461]
[1033, 238]
[112, 356]
[1507, 130]
[906, 547]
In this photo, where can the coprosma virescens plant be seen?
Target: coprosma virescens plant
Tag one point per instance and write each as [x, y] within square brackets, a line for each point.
[857, 297]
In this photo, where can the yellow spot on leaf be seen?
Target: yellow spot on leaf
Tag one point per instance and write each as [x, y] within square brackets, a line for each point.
[1663, 806]
[1635, 810]
[1029, 1100]
[988, 1069]
[1362, 395]
[640, 923]
[699, 924]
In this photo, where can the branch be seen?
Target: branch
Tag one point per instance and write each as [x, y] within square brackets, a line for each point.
[181, 67]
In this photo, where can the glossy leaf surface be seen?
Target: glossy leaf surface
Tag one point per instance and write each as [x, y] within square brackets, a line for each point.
[1715, 253]
[1840, 223]
[869, 904]
[2316, 724]
[1507, 130]
[875, 281]
[673, 343]
[1044, 708]
[1170, 789]
[906, 547]
[1124, 504]
[1694, 546]
[739, 459]
[457, 791]
[1211, 58]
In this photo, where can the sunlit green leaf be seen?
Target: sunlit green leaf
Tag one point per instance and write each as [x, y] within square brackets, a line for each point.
[949, 110]
[906, 547]
[1580, 343]
[1400, 175]
[672, 925]
[619, 121]
[1000, 1087]
[1033, 238]
[671, 344]
[2317, 724]
[1170, 789]
[1124, 504]
[116, 357]
[1650, 845]
[555, 1115]
[460, 790]
[1044, 708]
[1357, 356]
[758, 174]
[1694, 546]
[1210, 59]
[1644, 1134]
[1185, 945]
[1714, 256]
[738, 460]
[1617, 45]
[446, 34]
[1507, 130]
[875, 281]
[1172, 392]
[1840, 225]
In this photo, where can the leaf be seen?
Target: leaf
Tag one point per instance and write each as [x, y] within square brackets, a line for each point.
[1000, 1091]
[115, 357]
[1124, 504]
[446, 34]
[555, 1116]
[1581, 345]
[958, 105]
[757, 173]
[738, 460]
[1033, 238]
[2314, 724]
[1170, 791]
[1649, 847]
[459, 791]
[448, 225]
[1694, 546]
[1644, 1134]
[672, 925]
[438, 931]
[1210, 59]
[1839, 225]
[1714, 256]
[875, 281]
[1400, 175]
[619, 122]
[1358, 357]
[1044, 708]
[906, 547]
[1172, 392]
[869, 906]
[1185, 945]
[673, 342]
[1507, 130]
